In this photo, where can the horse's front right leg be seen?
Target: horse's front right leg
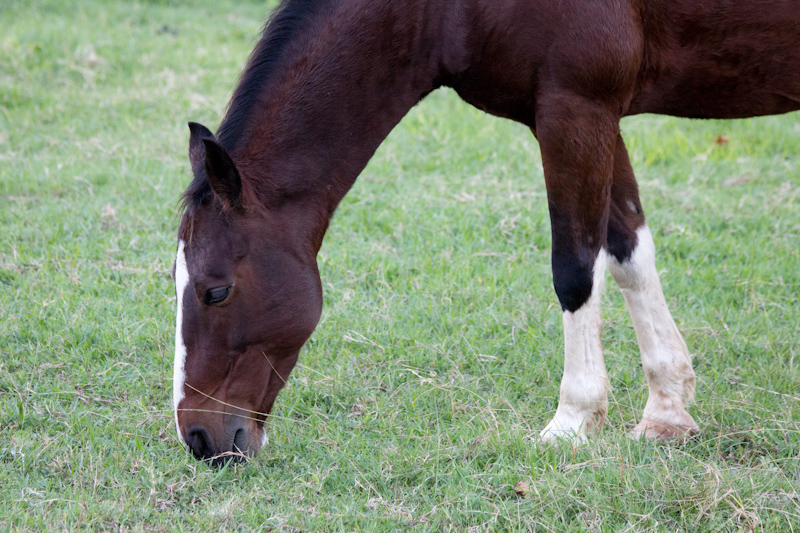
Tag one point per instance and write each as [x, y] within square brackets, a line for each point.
[577, 137]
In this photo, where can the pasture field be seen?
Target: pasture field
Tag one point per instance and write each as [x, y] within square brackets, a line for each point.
[439, 353]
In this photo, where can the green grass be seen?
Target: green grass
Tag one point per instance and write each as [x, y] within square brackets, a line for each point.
[438, 356]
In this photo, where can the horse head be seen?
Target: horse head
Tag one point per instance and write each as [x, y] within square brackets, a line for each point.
[248, 297]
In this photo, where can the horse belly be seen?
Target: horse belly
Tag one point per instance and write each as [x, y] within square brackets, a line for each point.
[722, 61]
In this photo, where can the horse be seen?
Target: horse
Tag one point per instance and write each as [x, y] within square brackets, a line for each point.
[326, 83]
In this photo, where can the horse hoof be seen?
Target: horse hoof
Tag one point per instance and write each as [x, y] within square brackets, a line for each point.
[681, 428]
[554, 437]
[573, 429]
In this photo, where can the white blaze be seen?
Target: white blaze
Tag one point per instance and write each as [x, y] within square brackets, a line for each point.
[179, 368]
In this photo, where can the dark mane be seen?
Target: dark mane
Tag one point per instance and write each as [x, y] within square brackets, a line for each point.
[288, 18]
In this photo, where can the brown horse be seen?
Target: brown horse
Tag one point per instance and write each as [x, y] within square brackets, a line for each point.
[328, 81]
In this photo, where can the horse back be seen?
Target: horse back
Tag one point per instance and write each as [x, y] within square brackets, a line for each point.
[689, 58]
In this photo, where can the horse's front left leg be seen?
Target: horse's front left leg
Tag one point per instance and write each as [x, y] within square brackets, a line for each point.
[577, 138]
[666, 360]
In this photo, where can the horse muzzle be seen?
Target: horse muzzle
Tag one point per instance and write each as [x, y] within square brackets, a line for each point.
[234, 443]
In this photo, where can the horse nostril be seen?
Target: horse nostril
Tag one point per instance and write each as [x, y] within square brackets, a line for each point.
[199, 442]
[239, 441]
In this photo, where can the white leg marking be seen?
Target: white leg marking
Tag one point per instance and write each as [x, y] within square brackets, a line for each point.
[666, 360]
[583, 401]
[179, 368]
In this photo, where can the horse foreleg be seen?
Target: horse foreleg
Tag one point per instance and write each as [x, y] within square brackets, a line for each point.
[583, 397]
[577, 139]
[666, 361]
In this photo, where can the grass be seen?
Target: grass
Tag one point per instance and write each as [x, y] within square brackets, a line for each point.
[439, 352]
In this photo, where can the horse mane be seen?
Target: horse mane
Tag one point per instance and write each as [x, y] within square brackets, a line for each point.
[287, 20]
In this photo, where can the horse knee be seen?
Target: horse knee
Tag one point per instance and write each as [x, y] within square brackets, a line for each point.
[621, 241]
[573, 279]
[624, 221]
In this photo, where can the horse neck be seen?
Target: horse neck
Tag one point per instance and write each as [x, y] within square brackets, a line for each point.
[336, 94]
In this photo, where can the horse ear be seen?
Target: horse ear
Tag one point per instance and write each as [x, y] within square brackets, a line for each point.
[222, 174]
[197, 151]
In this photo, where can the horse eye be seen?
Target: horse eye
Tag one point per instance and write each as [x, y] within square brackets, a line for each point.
[215, 296]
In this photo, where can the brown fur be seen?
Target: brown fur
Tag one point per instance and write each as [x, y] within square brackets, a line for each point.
[331, 78]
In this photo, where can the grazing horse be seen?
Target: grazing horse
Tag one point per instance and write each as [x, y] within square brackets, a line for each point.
[328, 81]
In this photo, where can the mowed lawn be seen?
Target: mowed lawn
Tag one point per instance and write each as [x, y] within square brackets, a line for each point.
[439, 354]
